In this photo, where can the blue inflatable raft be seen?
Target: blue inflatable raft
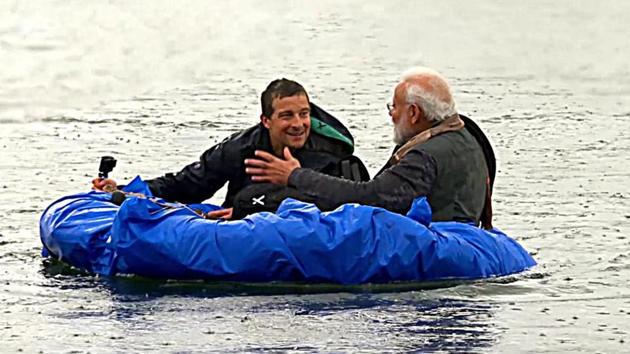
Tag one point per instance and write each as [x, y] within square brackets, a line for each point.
[354, 244]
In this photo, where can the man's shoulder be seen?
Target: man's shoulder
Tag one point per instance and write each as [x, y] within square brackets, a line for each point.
[448, 141]
[323, 143]
[470, 139]
[245, 134]
[236, 147]
[244, 139]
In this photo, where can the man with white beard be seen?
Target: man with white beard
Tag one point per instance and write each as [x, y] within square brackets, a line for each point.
[439, 154]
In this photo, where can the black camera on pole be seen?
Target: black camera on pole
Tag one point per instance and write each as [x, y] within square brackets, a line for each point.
[107, 165]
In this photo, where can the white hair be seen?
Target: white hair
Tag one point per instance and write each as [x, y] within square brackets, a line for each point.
[435, 108]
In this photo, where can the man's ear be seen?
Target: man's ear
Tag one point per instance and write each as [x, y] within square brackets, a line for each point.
[416, 114]
[265, 121]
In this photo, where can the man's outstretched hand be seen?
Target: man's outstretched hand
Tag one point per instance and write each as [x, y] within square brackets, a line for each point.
[104, 184]
[225, 214]
[268, 168]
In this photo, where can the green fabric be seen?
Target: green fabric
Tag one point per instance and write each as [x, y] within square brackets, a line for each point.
[326, 130]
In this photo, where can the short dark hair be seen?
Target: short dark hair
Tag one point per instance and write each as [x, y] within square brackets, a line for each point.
[278, 89]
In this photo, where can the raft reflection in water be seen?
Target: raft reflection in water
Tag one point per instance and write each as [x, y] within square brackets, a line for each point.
[423, 321]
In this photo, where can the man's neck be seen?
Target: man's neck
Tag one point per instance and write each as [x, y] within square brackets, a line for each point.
[278, 150]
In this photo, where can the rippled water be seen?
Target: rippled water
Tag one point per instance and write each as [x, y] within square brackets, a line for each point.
[155, 83]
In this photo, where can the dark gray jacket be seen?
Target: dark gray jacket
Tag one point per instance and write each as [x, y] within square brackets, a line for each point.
[450, 169]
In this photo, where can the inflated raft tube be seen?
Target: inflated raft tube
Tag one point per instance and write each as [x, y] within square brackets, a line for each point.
[353, 244]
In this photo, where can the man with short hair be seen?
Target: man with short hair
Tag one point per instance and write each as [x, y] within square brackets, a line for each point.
[288, 120]
[439, 154]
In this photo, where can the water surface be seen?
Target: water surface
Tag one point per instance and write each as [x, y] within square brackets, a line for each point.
[155, 83]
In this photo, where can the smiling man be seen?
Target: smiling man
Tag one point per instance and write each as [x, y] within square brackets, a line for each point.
[288, 120]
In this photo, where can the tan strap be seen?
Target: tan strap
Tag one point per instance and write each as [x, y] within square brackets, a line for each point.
[450, 124]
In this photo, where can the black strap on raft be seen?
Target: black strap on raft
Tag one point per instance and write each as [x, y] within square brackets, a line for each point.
[352, 168]
[491, 162]
[118, 197]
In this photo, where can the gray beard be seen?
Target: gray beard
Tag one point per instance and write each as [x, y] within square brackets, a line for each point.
[401, 136]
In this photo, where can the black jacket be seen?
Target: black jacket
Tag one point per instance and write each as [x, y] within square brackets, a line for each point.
[450, 169]
[328, 143]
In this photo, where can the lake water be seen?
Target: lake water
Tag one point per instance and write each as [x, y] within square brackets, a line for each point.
[155, 83]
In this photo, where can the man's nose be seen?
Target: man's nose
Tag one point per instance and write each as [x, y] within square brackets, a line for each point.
[296, 120]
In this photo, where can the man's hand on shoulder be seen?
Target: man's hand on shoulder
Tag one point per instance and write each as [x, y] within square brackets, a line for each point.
[268, 168]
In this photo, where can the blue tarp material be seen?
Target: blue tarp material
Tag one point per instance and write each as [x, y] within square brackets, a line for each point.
[354, 244]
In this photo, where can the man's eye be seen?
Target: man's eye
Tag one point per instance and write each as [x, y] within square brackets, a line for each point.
[304, 114]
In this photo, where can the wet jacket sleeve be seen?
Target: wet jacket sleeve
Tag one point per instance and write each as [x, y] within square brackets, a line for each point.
[393, 189]
[199, 180]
